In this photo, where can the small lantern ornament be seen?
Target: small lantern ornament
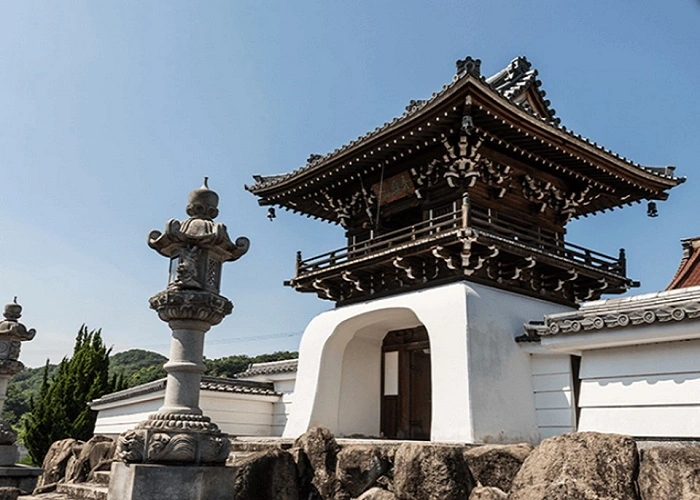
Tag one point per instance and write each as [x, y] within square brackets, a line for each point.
[12, 334]
[197, 248]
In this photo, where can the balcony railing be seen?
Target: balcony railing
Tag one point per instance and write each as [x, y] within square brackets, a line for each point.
[464, 221]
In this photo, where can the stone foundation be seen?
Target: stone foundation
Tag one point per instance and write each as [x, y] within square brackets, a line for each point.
[576, 465]
[168, 482]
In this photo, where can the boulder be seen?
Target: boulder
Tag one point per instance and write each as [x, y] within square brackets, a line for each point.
[267, 475]
[431, 472]
[667, 472]
[583, 465]
[496, 465]
[95, 454]
[487, 493]
[377, 494]
[360, 466]
[316, 457]
[55, 463]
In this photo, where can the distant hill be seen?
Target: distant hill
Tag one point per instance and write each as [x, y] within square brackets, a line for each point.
[132, 367]
[137, 366]
[230, 365]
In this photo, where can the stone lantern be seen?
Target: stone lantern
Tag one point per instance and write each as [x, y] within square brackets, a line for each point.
[12, 334]
[179, 434]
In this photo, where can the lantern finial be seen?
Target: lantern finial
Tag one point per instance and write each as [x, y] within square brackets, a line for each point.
[203, 203]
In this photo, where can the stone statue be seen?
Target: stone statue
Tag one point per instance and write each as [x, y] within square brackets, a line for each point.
[178, 433]
[12, 334]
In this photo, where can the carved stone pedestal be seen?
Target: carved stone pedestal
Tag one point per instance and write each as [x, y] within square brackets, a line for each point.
[168, 482]
[174, 439]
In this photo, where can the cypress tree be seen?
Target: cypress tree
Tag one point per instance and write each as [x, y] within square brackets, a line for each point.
[61, 410]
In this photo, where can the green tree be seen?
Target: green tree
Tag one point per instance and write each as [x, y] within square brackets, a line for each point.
[145, 374]
[231, 365]
[61, 410]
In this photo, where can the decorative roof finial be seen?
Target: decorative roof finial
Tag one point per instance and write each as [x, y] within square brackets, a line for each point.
[470, 66]
[13, 311]
[203, 203]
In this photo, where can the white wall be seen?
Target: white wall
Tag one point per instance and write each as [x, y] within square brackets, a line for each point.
[500, 383]
[648, 390]
[284, 383]
[280, 413]
[120, 416]
[552, 384]
[360, 399]
[481, 383]
[235, 414]
[239, 414]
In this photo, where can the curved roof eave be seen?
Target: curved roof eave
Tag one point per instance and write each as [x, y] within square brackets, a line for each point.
[459, 87]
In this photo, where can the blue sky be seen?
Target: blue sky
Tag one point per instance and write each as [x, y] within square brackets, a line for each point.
[112, 112]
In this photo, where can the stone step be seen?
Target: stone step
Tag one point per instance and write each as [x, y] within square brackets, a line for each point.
[101, 477]
[83, 491]
[45, 496]
[242, 444]
[236, 456]
[242, 447]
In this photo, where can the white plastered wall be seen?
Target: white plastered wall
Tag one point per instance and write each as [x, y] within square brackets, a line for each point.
[481, 383]
[643, 390]
[500, 371]
[552, 383]
[284, 384]
[234, 413]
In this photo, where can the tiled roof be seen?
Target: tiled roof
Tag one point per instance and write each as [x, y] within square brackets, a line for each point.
[238, 386]
[668, 306]
[688, 273]
[512, 82]
[207, 384]
[269, 368]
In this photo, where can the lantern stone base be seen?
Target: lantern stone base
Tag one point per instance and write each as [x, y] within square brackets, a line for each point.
[174, 439]
[20, 476]
[167, 482]
[8, 454]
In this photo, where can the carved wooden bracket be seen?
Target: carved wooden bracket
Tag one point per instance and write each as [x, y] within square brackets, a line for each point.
[543, 195]
[462, 161]
[515, 271]
[348, 207]
[536, 191]
[497, 177]
[425, 176]
[323, 290]
[446, 256]
[408, 266]
[352, 278]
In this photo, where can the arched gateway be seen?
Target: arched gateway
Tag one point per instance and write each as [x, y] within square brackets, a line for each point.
[342, 385]
[455, 216]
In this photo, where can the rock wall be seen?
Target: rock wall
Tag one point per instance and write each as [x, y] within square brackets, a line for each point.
[585, 465]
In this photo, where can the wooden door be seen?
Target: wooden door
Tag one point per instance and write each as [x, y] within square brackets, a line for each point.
[406, 385]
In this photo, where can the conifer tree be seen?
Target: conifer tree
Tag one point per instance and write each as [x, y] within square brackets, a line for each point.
[61, 410]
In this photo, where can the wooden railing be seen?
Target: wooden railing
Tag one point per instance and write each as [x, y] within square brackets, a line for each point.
[483, 223]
